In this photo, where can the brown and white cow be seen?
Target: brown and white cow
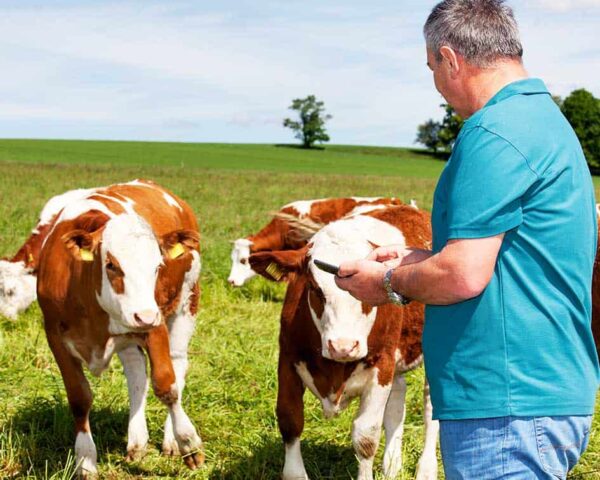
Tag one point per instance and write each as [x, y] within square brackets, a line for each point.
[340, 348]
[119, 271]
[279, 234]
[18, 274]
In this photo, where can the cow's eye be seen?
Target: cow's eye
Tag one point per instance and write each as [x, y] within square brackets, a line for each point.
[10, 292]
[244, 261]
[113, 269]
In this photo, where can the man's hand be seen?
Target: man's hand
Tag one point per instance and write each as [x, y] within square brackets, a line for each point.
[395, 255]
[363, 279]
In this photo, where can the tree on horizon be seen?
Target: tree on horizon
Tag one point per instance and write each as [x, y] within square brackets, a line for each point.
[440, 135]
[310, 127]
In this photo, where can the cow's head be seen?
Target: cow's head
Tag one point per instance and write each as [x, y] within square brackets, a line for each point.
[130, 258]
[17, 288]
[343, 322]
[241, 271]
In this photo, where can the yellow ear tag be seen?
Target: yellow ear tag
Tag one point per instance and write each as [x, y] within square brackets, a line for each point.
[176, 251]
[30, 258]
[274, 270]
[86, 255]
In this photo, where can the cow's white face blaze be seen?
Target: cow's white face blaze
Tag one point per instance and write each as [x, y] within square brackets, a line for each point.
[17, 288]
[131, 258]
[343, 321]
[241, 271]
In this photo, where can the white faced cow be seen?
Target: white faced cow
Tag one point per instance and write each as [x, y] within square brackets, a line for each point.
[119, 273]
[18, 274]
[280, 234]
[340, 348]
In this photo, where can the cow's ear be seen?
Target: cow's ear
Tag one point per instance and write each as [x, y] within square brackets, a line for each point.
[80, 244]
[174, 244]
[279, 265]
[84, 239]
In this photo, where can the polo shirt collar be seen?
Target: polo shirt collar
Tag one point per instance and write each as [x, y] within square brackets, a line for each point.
[527, 86]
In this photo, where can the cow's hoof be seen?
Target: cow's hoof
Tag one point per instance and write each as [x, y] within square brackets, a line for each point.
[87, 474]
[194, 460]
[190, 447]
[135, 453]
[427, 470]
[294, 476]
[170, 448]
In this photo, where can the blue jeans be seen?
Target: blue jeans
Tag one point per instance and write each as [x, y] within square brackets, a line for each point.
[513, 447]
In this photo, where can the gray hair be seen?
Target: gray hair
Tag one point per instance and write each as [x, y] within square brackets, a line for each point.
[482, 31]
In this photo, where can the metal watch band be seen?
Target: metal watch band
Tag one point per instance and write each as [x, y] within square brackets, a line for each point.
[394, 297]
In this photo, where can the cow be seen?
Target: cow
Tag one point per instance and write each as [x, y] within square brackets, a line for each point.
[118, 273]
[340, 348]
[281, 234]
[18, 273]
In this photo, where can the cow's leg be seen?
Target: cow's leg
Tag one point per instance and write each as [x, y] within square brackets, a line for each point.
[366, 428]
[165, 388]
[393, 422]
[427, 469]
[290, 418]
[181, 329]
[80, 401]
[134, 366]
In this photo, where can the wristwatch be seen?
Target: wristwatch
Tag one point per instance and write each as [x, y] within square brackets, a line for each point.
[394, 297]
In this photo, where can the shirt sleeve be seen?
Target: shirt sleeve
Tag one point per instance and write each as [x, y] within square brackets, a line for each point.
[489, 179]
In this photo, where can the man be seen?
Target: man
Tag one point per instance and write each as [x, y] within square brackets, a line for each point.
[508, 347]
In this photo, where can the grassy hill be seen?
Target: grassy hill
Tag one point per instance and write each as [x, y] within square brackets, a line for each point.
[231, 388]
[335, 159]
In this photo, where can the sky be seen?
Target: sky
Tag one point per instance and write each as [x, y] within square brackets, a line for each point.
[227, 71]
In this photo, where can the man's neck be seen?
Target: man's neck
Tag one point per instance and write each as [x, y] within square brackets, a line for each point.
[483, 83]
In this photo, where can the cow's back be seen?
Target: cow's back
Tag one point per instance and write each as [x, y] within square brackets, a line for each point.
[30, 250]
[162, 209]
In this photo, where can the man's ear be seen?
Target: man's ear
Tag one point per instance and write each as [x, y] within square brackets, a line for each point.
[450, 59]
[80, 244]
[279, 265]
[174, 244]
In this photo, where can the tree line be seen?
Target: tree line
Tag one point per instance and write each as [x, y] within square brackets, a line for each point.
[580, 107]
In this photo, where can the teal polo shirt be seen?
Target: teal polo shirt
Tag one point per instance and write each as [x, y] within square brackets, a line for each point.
[523, 347]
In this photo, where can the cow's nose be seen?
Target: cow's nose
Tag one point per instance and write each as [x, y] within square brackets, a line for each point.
[342, 348]
[146, 318]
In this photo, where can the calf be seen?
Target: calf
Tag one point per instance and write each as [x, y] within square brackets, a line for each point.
[340, 348]
[119, 273]
[280, 234]
[18, 274]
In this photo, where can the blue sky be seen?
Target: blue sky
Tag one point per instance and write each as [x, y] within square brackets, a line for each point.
[226, 71]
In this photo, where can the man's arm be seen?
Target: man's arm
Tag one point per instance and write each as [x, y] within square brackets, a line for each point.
[461, 270]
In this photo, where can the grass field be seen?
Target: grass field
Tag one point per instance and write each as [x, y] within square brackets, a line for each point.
[230, 394]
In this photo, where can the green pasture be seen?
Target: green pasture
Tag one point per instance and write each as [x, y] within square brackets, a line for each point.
[231, 384]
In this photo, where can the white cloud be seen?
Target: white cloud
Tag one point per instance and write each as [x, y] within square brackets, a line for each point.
[567, 5]
[175, 71]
